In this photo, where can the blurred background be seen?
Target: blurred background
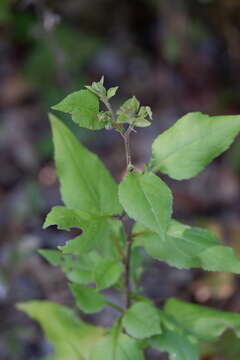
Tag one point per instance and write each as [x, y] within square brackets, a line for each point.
[177, 56]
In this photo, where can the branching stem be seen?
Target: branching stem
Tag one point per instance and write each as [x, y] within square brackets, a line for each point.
[127, 259]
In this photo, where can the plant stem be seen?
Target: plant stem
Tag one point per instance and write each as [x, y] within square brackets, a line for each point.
[127, 272]
[117, 126]
[127, 259]
[127, 149]
[115, 306]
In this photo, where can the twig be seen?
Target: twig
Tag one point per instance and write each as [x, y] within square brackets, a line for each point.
[115, 306]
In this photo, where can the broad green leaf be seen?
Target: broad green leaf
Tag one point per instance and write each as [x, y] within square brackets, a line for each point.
[187, 247]
[194, 141]
[71, 338]
[107, 273]
[204, 323]
[85, 182]
[87, 298]
[121, 348]
[177, 345]
[78, 269]
[98, 232]
[101, 234]
[83, 105]
[142, 320]
[147, 199]
[180, 344]
[66, 218]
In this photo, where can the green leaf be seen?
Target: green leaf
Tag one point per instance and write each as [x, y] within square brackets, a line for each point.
[98, 88]
[145, 111]
[175, 340]
[204, 323]
[101, 234]
[107, 272]
[131, 105]
[78, 269]
[128, 111]
[177, 345]
[142, 320]
[111, 92]
[98, 232]
[81, 272]
[87, 298]
[227, 346]
[121, 348]
[147, 199]
[194, 141]
[71, 338]
[187, 247]
[66, 218]
[141, 122]
[85, 182]
[54, 257]
[83, 105]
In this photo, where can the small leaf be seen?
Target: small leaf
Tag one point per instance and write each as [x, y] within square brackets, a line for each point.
[131, 105]
[128, 111]
[72, 338]
[204, 323]
[83, 105]
[121, 348]
[145, 111]
[111, 92]
[85, 182]
[87, 298]
[147, 199]
[142, 320]
[107, 273]
[149, 111]
[194, 141]
[141, 122]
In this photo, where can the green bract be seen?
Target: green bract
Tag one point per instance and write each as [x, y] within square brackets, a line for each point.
[107, 253]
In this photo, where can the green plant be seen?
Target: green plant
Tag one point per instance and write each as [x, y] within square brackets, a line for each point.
[106, 253]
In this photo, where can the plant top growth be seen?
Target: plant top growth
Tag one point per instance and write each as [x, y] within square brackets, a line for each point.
[109, 255]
